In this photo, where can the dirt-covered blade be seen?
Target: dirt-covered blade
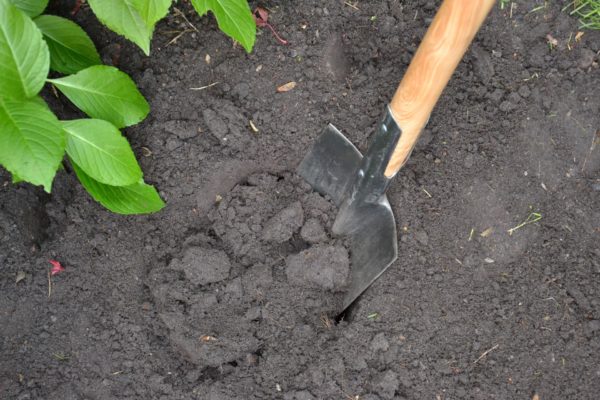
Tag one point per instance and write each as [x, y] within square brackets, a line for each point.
[371, 230]
[357, 184]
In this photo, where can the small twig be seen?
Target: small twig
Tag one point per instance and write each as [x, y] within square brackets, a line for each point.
[204, 87]
[327, 323]
[54, 92]
[170, 32]
[426, 192]
[538, 8]
[49, 283]
[60, 356]
[178, 36]
[552, 298]
[592, 147]
[485, 353]
[351, 5]
[182, 15]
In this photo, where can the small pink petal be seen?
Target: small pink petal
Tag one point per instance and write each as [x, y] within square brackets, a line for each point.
[261, 16]
[57, 268]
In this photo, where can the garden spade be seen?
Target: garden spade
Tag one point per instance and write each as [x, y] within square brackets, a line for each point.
[357, 183]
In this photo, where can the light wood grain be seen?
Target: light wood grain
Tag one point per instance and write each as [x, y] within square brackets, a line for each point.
[442, 48]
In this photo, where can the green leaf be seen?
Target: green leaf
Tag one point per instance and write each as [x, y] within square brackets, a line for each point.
[32, 142]
[98, 148]
[33, 8]
[16, 178]
[24, 57]
[134, 19]
[39, 100]
[152, 11]
[106, 93]
[138, 198]
[71, 49]
[122, 17]
[233, 17]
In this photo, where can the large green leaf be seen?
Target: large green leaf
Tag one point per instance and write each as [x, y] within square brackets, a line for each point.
[33, 8]
[71, 49]
[233, 17]
[102, 152]
[152, 11]
[122, 17]
[138, 198]
[32, 142]
[24, 57]
[134, 19]
[106, 93]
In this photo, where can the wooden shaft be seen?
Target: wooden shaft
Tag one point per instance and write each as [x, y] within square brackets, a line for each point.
[442, 48]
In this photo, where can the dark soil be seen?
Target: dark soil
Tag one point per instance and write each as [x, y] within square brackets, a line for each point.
[229, 292]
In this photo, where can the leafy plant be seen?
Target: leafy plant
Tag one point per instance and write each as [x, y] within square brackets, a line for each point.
[33, 142]
[135, 19]
[233, 17]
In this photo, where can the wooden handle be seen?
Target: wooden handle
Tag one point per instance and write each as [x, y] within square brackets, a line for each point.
[442, 48]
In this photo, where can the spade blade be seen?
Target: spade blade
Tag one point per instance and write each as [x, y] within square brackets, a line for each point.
[330, 164]
[331, 168]
[371, 230]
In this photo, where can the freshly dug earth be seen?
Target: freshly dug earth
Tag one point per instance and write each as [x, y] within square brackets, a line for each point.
[222, 311]
[229, 292]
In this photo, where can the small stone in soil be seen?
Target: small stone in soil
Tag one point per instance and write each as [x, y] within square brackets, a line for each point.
[586, 58]
[234, 288]
[316, 202]
[203, 266]
[497, 95]
[592, 327]
[524, 91]
[482, 64]
[282, 226]
[313, 231]
[422, 237]
[319, 267]
[216, 126]
[514, 98]
[507, 106]
[468, 161]
[380, 343]
[253, 313]
[386, 384]
[256, 279]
